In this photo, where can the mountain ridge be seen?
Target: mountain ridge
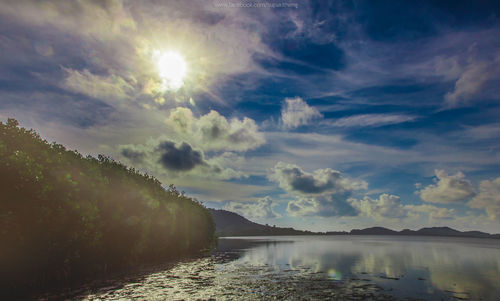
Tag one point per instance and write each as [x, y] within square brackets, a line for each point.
[232, 224]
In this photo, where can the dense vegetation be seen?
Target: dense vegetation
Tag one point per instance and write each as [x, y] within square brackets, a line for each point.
[64, 217]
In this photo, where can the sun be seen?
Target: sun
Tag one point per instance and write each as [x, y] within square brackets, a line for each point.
[172, 69]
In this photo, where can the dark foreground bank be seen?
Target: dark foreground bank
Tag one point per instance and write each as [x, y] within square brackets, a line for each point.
[66, 218]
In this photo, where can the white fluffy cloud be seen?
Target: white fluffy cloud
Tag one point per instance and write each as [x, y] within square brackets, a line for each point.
[213, 131]
[296, 112]
[488, 198]
[448, 189]
[386, 206]
[261, 208]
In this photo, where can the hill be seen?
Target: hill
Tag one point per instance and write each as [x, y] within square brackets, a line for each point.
[432, 231]
[373, 231]
[232, 224]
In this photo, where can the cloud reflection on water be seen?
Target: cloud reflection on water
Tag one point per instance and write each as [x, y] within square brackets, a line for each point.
[423, 266]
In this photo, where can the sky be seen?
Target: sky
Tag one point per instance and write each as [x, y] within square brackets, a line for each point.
[320, 115]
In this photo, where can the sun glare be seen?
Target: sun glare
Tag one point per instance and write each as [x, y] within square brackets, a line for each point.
[172, 69]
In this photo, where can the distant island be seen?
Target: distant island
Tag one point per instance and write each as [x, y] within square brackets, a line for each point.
[232, 224]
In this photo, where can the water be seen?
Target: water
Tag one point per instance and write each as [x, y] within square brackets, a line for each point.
[428, 268]
[322, 267]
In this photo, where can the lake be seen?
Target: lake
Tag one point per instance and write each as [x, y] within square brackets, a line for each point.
[323, 267]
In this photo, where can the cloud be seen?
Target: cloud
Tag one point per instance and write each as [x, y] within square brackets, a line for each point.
[170, 156]
[323, 206]
[261, 208]
[296, 112]
[386, 206]
[163, 157]
[448, 189]
[434, 213]
[228, 164]
[370, 120]
[105, 88]
[321, 193]
[179, 158]
[213, 131]
[133, 155]
[293, 179]
[105, 49]
[472, 80]
[488, 198]
[96, 18]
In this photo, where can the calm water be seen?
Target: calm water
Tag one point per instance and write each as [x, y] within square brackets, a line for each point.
[323, 267]
[418, 267]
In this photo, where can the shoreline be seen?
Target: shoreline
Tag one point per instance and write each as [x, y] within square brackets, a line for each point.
[79, 286]
[493, 236]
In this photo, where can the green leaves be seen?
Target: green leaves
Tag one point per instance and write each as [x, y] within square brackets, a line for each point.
[76, 215]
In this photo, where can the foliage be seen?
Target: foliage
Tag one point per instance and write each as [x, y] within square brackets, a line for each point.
[64, 216]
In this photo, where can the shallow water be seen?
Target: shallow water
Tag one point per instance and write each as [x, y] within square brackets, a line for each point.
[323, 267]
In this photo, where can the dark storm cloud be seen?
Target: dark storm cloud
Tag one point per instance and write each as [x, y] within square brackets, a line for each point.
[325, 192]
[292, 178]
[307, 183]
[324, 206]
[171, 156]
[133, 155]
[163, 156]
[181, 158]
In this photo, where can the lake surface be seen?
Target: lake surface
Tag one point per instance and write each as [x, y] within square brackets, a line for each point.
[323, 267]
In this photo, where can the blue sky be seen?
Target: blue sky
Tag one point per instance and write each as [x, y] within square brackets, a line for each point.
[326, 115]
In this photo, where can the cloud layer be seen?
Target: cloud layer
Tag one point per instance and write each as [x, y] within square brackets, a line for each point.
[371, 120]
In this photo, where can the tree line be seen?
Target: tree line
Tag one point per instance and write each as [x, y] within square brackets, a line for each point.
[65, 217]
